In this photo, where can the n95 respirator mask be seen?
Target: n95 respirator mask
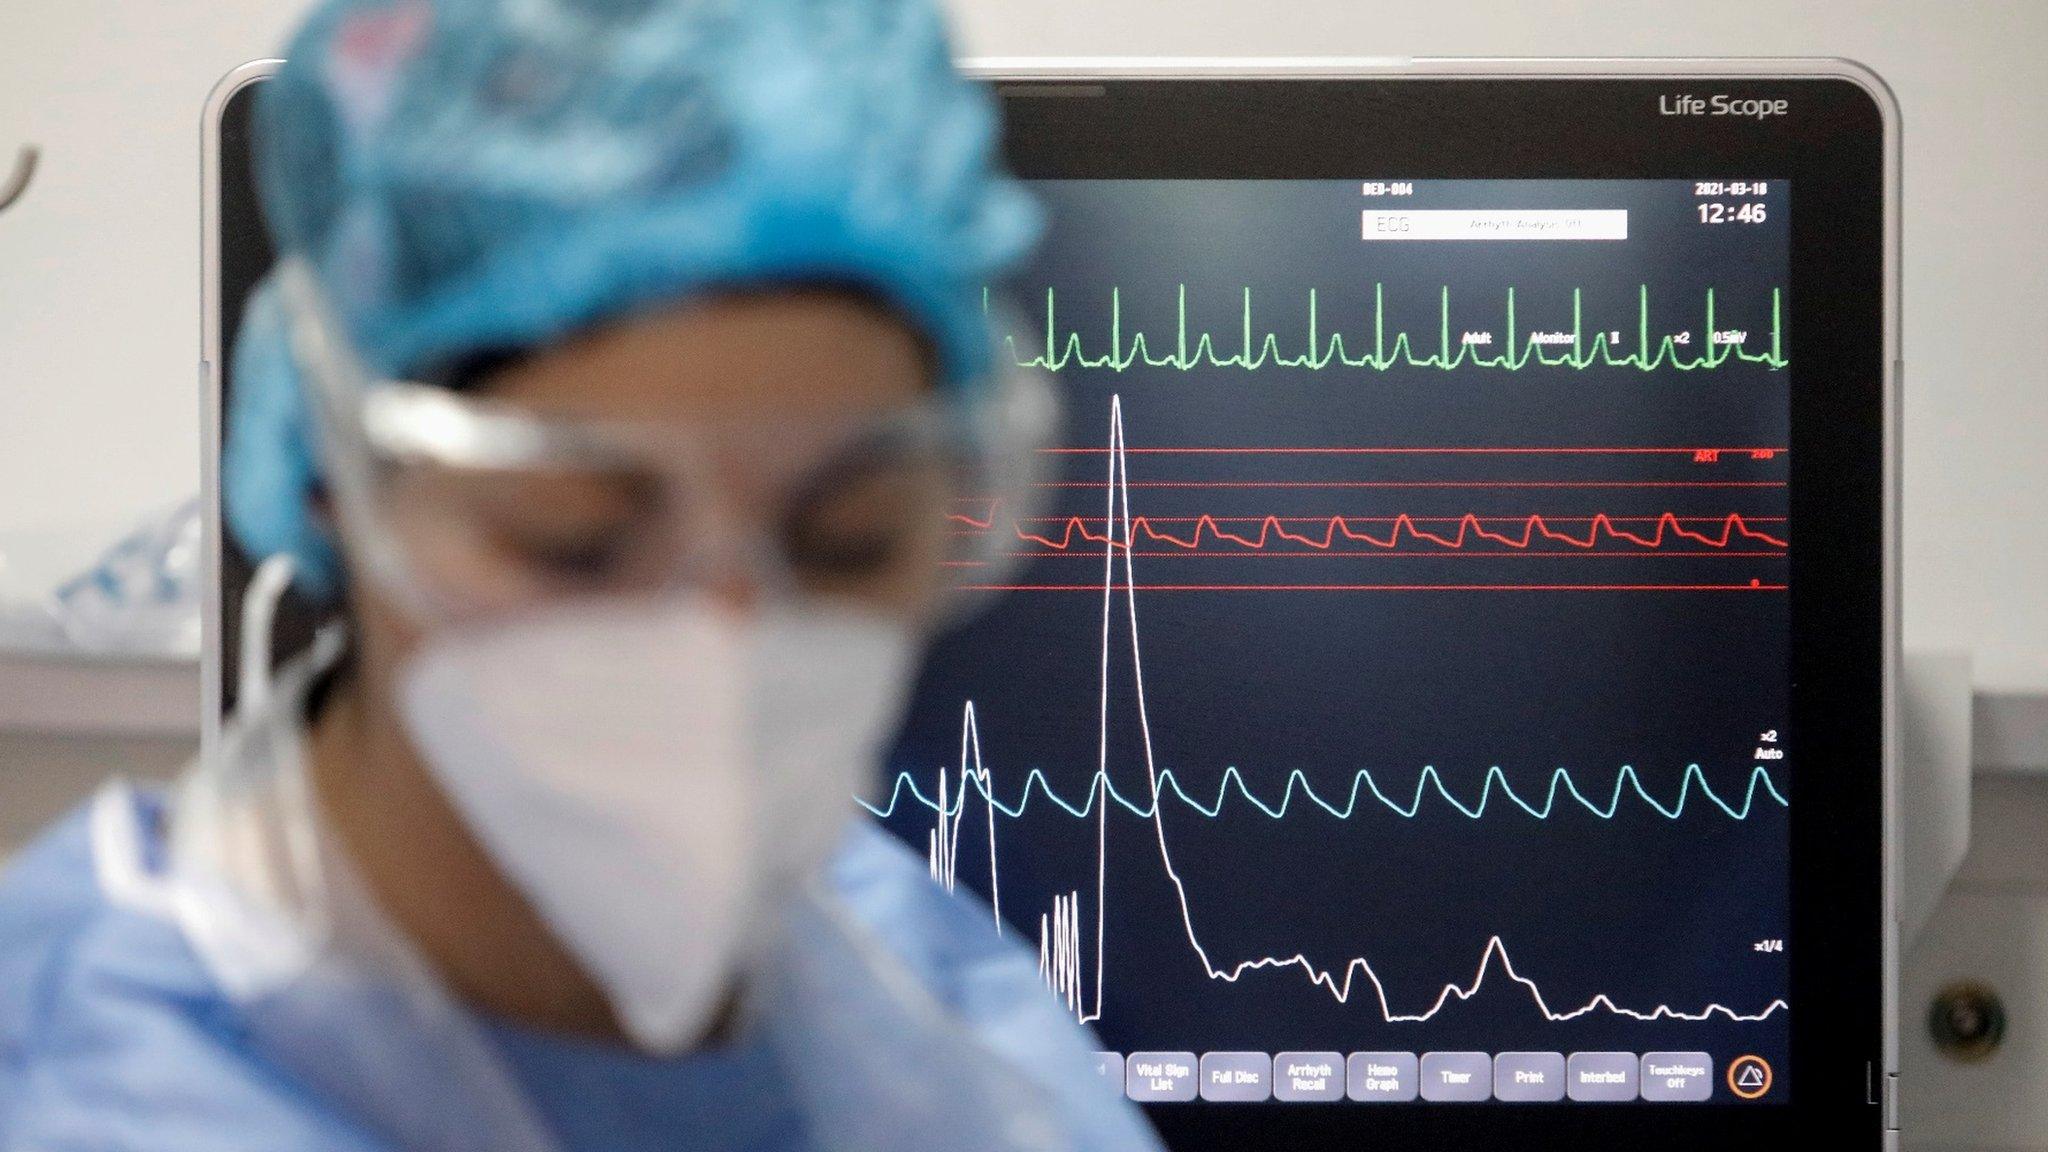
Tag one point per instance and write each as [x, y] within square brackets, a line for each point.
[657, 776]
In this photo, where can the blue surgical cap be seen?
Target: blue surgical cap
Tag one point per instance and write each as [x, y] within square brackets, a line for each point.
[474, 176]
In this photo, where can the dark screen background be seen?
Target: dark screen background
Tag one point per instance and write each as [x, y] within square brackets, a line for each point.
[1425, 665]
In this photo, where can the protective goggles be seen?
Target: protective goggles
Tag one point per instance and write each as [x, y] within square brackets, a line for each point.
[464, 506]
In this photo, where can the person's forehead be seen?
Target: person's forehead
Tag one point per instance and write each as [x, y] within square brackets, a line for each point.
[794, 352]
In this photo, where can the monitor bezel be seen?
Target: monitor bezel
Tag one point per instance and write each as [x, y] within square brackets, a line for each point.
[215, 315]
[1845, 454]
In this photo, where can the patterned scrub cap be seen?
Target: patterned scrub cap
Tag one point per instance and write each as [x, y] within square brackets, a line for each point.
[476, 175]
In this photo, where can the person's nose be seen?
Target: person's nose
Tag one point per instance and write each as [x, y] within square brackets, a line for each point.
[732, 569]
[735, 589]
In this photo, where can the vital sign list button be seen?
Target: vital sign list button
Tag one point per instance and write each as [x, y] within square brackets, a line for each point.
[1159, 1077]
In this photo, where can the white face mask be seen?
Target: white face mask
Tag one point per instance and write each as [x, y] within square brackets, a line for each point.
[656, 776]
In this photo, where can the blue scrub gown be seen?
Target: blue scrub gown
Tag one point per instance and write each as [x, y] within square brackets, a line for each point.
[114, 1037]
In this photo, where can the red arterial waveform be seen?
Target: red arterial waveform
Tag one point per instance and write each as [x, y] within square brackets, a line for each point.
[1529, 530]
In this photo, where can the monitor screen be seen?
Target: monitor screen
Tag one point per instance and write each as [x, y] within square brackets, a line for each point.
[1395, 693]
[1391, 704]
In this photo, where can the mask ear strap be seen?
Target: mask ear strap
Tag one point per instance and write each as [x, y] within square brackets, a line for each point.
[259, 617]
[259, 622]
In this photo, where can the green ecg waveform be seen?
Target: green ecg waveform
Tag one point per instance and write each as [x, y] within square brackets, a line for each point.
[1604, 348]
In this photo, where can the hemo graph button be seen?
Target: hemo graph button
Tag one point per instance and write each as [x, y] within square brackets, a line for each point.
[1110, 1066]
[1159, 1077]
[1239, 1077]
[1677, 1076]
[1381, 1076]
[1307, 1076]
[1528, 1077]
[1456, 1076]
[1601, 1077]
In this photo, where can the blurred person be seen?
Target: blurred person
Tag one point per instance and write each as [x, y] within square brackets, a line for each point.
[623, 361]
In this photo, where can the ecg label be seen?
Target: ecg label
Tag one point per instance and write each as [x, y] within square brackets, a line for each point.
[1072, 954]
[1321, 344]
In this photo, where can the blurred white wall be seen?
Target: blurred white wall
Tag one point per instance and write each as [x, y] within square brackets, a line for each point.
[99, 263]
[98, 275]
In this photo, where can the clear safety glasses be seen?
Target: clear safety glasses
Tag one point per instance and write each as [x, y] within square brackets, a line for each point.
[468, 507]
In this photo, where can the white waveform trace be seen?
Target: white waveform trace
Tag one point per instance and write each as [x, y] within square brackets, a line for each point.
[1062, 949]
[1059, 951]
[943, 843]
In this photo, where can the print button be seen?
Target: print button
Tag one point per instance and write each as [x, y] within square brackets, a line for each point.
[1528, 1077]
